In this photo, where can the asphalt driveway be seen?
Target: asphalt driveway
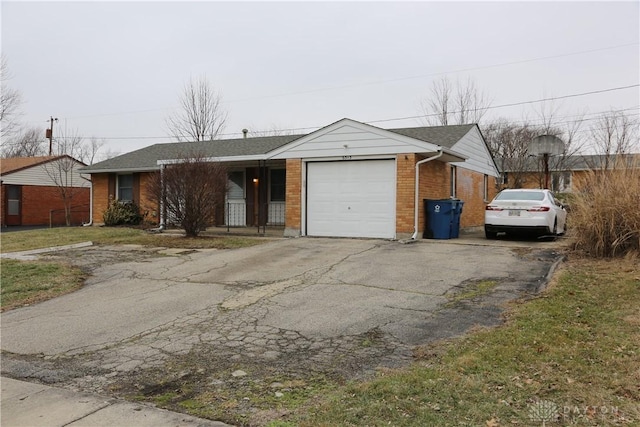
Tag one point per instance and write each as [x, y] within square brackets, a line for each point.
[338, 306]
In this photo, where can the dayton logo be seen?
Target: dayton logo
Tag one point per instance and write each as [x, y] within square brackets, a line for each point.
[543, 411]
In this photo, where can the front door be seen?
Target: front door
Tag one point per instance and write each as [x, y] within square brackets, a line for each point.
[14, 205]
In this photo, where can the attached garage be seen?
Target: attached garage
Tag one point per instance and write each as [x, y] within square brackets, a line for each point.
[351, 198]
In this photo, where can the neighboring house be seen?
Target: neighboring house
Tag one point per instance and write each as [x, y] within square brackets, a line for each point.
[566, 174]
[347, 179]
[31, 191]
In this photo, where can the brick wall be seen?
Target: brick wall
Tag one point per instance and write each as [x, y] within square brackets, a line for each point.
[470, 189]
[147, 206]
[38, 202]
[405, 192]
[293, 206]
[101, 195]
[435, 182]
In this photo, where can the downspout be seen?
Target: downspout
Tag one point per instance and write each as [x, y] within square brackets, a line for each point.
[162, 225]
[90, 223]
[417, 185]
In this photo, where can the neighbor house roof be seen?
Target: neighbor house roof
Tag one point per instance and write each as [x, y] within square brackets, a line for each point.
[14, 164]
[147, 158]
[575, 162]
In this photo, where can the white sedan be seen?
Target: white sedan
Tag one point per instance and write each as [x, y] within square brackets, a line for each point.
[523, 210]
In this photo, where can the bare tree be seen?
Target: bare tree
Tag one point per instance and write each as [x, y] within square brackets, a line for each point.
[614, 133]
[201, 116]
[10, 101]
[28, 143]
[508, 143]
[189, 191]
[454, 104]
[63, 171]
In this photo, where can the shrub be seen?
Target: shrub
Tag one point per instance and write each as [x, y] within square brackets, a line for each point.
[190, 191]
[122, 213]
[605, 214]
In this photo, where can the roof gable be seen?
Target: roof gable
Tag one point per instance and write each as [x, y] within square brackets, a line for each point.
[15, 164]
[348, 137]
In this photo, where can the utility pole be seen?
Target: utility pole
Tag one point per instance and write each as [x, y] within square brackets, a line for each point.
[49, 135]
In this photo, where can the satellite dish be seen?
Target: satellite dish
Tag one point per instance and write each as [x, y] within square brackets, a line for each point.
[546, 144]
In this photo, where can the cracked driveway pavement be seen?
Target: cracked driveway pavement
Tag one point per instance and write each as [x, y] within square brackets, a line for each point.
[339, 306]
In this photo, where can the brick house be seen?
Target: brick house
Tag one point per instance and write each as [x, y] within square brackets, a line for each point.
[567, 174]
[30, 191]
[347, 179]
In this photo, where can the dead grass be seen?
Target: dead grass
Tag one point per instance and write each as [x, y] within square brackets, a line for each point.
[30, 282]
[35, 239]
[605, 215]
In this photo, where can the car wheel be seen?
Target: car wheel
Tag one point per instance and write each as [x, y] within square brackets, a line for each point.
[490, 234]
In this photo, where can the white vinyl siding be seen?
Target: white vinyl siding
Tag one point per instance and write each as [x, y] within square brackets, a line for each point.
[41, 175]
[352, 139]
[478, 157]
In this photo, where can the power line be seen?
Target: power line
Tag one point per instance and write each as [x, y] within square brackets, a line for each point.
[514, 104]
[377, 82]
[460, 70]
[419, 116]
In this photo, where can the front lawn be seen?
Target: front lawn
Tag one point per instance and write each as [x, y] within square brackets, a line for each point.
[29, 282]
[570, 356]
[43, 238]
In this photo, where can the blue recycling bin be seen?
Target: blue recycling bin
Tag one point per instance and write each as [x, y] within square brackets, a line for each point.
[442, 218]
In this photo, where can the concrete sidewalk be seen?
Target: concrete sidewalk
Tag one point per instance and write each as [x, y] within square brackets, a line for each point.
[34, 405]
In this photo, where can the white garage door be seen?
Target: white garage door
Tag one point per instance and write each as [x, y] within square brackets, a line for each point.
[351, 198]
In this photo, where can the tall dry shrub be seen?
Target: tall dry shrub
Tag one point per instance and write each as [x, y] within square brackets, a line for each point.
[189, 191]
[605, 213]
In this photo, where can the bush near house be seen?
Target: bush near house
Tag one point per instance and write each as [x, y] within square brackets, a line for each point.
[122, 213]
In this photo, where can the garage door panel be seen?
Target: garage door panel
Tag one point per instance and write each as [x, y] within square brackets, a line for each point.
[351, 198]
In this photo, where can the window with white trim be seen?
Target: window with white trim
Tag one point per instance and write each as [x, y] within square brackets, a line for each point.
[452, 182]
[485, 188]
[236, 185]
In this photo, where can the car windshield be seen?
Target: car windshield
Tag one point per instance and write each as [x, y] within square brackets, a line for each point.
[521, 195]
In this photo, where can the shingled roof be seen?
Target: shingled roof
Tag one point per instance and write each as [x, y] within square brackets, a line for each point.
[14, 164]
[147, 158]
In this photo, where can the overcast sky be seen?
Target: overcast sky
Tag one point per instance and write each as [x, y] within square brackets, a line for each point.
[114, 70]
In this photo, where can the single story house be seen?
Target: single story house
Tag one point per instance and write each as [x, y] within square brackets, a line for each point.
[347, 179]
[31, 190]
[567, 174]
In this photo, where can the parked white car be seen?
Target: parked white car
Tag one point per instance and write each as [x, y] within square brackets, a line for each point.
[524, 210]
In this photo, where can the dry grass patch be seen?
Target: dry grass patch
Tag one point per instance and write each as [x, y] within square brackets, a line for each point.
[36, 239]
[29, 282]
[605, 214]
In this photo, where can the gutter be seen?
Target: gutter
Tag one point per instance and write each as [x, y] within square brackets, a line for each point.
[417, 185]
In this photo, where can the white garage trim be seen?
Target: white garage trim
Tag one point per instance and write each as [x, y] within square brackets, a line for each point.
[350, 198]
